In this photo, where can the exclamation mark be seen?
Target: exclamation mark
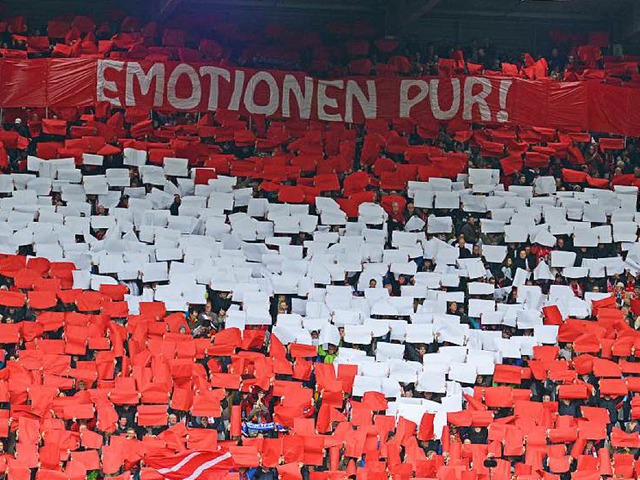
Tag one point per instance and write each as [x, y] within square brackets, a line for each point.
[503, 115]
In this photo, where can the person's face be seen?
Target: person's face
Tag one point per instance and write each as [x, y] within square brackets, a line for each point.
[395, 207]
[453, 307]
[173, 419]
[122, 422]
[410, 207]
[131, 434]
[523, 254]
[422, 350]
[332, 349]
[283, 306]
[372, 283]
[462, 242]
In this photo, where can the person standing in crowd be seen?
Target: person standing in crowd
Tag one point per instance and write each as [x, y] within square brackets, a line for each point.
[175, 206]
[470, 230]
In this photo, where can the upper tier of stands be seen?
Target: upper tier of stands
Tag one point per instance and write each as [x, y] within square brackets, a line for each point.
[338, 49]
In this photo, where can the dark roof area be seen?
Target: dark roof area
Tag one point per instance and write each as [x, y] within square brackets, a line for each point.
[392, 15]
[578, 9]
[408, 9]
[413, 9]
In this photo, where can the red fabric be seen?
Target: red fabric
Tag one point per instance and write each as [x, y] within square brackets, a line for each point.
[597, 182]
[152, 415]
[573, 176]
[507, 374]
[582, 105]
[54, 127]
[215, 465]
[511, 164]
[536, 160]
[573, 392]
[12, 299]
[613, 387]
[606, 368]
[375, 400]
[611, 144]
[552, 315]
[298, 350]
[627, 440]
[426, 429]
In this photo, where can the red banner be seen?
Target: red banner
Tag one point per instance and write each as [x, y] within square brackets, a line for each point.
[589, 105]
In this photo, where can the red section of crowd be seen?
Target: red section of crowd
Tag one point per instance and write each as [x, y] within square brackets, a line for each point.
[338, 49]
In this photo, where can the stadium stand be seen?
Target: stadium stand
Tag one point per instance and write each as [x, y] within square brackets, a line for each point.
[376, 299]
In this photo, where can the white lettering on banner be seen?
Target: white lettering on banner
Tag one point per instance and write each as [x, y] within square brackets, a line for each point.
[193, 100]
[503, 115]
[250, 93]
[291, 96]
[104, 85]
[304, 100]
[238, 86]
[134, 70]
[470, 99]
[325, 101]
[368, 104]
[214, 74]
[406, 103]
[438, 113]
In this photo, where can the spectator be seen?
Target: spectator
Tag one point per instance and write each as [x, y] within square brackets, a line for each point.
[175, 206]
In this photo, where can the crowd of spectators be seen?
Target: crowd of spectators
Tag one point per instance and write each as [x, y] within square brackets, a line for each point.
[255, 405]
[92, 382]
[334, 50]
